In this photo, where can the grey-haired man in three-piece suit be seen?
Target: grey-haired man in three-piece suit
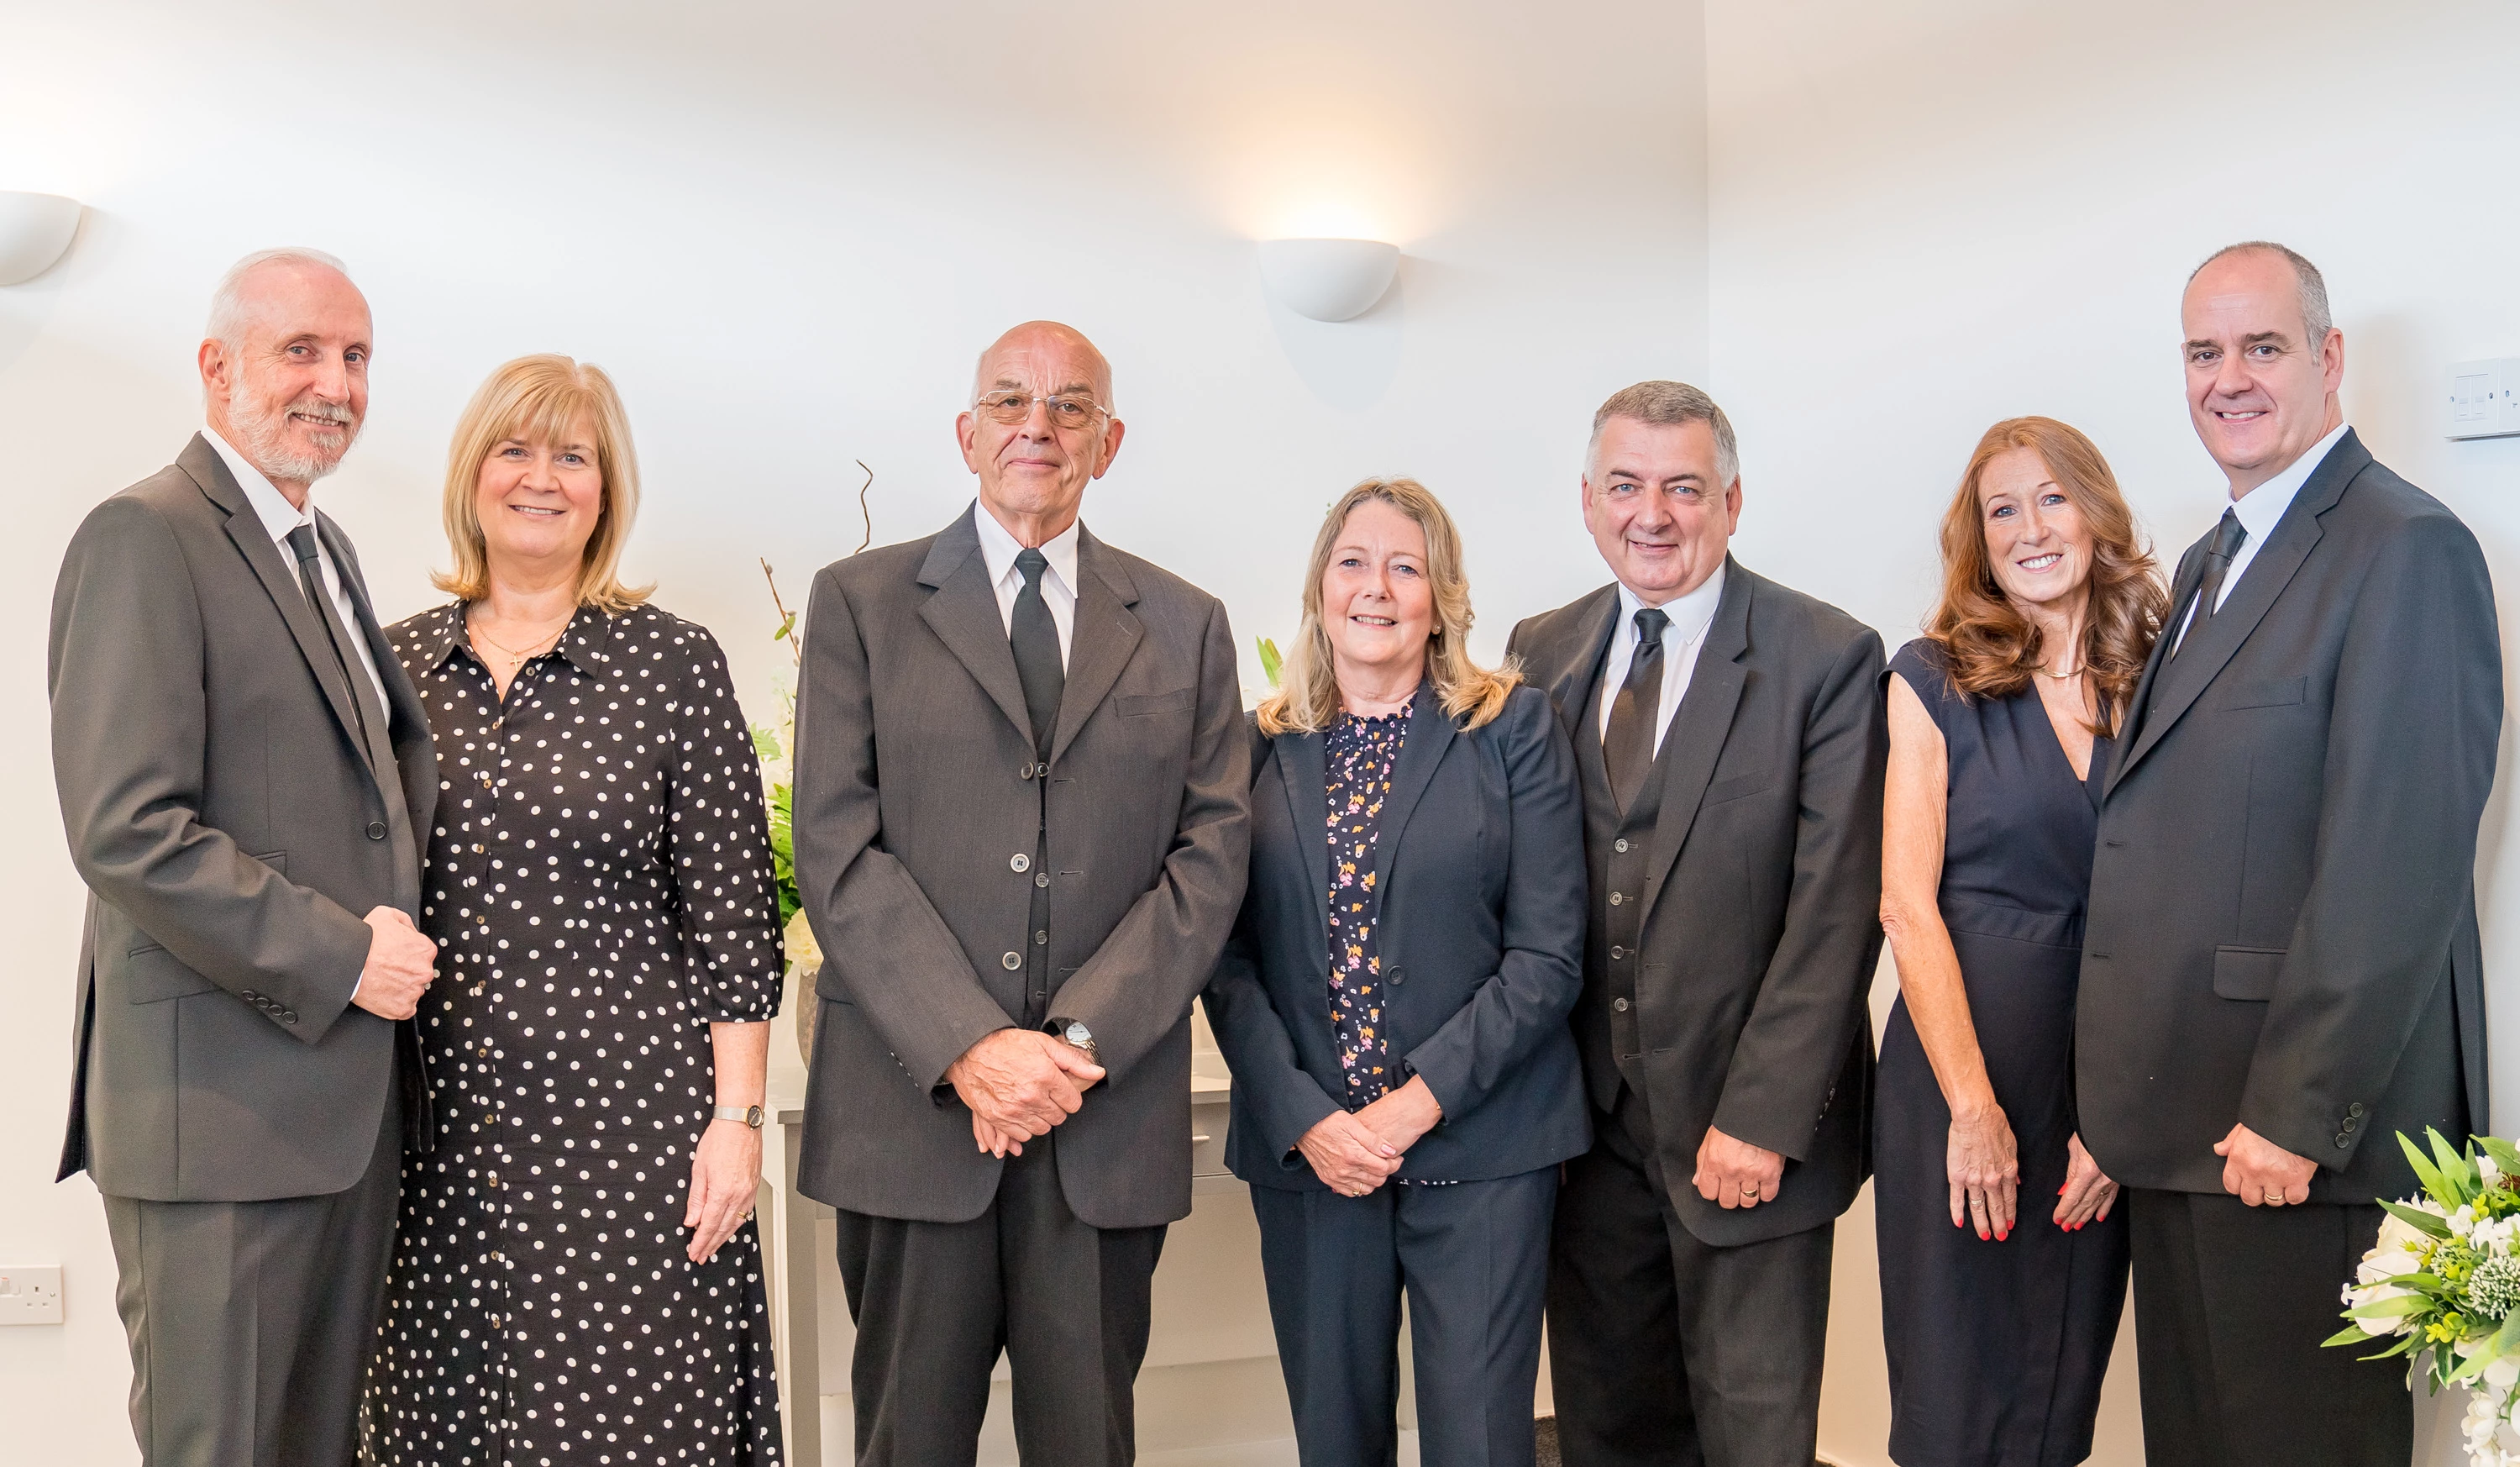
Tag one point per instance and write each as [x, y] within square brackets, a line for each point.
[242, 769]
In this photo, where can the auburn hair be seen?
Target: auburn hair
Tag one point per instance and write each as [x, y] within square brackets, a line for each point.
[1992, 648]
[1307, 697]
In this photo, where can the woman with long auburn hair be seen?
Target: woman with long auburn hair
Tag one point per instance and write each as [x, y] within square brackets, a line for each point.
[1394, 999]
[1998, 1331]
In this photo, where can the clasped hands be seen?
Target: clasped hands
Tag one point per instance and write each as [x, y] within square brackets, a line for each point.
[1354, 1152]
[1018, 1084]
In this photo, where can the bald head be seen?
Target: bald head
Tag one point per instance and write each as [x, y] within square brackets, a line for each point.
[284, 365]
[1038, 429]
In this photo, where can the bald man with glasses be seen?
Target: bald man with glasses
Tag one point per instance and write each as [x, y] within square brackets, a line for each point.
[1020, 819]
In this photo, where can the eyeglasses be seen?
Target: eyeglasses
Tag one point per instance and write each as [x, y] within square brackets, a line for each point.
[1011, 408]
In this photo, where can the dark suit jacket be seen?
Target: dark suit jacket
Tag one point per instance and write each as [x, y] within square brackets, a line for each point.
[1762, 921]
[233, 832]
[912, 797]
[1480, 863]
[2282, 924]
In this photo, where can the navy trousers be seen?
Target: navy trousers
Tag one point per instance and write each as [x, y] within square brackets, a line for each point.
[1473, 1259]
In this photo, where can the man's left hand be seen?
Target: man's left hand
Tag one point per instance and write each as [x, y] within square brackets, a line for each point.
[2261, 1173]
[1736, 1173]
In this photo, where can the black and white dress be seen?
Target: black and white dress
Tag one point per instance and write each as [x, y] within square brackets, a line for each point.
[599, 885]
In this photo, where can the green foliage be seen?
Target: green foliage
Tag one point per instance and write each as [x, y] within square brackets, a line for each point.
[1270, 663]
[2456, 1309]
[783, 849]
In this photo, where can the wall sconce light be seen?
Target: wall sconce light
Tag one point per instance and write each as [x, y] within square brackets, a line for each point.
[35, 231]
[1327, 280]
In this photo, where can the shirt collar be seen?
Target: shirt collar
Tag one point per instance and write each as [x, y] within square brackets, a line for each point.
[278, 516]
[2260, 509]
[999, 549]
[1691, 615]
[586, 645]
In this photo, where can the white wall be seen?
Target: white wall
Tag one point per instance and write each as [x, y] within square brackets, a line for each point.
[788, 229]
[1927, 217]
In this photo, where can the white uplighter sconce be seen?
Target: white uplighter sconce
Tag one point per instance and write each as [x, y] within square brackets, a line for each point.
[35, 231]
[1327, 280]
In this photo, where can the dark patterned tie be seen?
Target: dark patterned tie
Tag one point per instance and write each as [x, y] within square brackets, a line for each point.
[1035, 638]
[310, 579]
[2229, 537]
[1627, 749]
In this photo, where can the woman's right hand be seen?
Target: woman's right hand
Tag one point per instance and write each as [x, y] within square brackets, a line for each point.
[1985, 1175]
[1347, 1155]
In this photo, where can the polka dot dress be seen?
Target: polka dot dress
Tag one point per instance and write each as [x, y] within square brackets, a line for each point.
[598, 886]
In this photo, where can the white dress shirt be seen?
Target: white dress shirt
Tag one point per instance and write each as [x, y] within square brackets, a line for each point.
[1057, 583]
[2259, 511]
[280, 516]
[1690, 616]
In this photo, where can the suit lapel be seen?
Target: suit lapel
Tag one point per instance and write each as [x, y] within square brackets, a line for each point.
[1303, 776]
[2192, 572]
[1422, 749]
[963, 614]
[1106, 635]
[252, 539]
[2184, 678]
[1576, 678]
[1699, 728]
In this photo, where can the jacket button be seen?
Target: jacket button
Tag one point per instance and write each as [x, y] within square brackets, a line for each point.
[1618, 952]
[1399, 975]
[1025, 772]
[1616, 898]
[1020, 862]
[1620, 1004]
[1041, 879]
[1041, 940]
[2343, 1143]
[2348, 1128]
[247, 994]
[1620, 845]
[376, 830]
[1010, 961]
[2354, 1110]
[287, 1018]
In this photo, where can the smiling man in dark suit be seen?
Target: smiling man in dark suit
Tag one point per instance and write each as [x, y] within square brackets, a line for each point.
[2282, 968]
[1022, 797]
[1731, 741]
[242, 767]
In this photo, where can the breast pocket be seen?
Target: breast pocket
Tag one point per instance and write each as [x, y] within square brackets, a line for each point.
[2264, 692]
[1740, 785]
[1148, 705]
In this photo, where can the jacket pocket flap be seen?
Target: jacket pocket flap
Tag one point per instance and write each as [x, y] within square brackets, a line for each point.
[2265, 692]
[2247, 973]
[154, 974]
[1739, 786]
[1138, 705]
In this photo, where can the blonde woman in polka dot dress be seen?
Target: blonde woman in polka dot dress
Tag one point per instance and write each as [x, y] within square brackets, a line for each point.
[577, 1278]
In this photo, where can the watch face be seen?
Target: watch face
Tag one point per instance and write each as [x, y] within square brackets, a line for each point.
[1080, 1037]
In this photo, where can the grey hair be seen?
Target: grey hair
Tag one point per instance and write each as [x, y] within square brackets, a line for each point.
[1669, 404]
[2315, 320]
[227, 302]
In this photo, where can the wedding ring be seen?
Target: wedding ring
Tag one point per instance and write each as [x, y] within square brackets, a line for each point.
[2274, 1199]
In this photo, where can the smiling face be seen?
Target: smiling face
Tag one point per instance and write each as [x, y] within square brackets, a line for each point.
[2259, 394]
[2036, 541]
[1033, 473]
[1377, 605]
[290, 392]
[1658, 512]
[539, 502]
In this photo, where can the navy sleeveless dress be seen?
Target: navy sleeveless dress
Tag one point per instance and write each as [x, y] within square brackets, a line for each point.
[1996, 1349]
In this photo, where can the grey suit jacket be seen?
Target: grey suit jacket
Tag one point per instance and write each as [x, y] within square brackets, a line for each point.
[2282, 925]
[1762, 921]
[233, 831]
[913, 795]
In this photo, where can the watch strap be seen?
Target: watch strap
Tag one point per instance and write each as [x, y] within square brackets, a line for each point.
[749, 1115]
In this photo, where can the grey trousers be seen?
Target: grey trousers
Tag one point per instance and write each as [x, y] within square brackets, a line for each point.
[1663, 1350]
[250, 1322]
[936, 1303]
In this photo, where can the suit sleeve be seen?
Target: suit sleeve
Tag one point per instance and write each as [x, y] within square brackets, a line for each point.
[1811, 1002]
[1139, 984]
[1266, 1077]
[130, 721]
[2410, 754]
[880, 934]
[1541, 970]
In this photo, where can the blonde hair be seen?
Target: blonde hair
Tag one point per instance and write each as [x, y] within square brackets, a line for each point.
[1307, 697]
[536, 400]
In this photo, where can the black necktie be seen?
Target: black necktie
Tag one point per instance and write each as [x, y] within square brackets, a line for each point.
[1627, 749]
[2229, 537]
[1035, 638]
[310, 579]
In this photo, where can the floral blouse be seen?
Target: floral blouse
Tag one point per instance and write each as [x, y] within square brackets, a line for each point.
[1357, 756]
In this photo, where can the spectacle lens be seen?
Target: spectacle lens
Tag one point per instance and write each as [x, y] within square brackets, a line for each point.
[1013, 408]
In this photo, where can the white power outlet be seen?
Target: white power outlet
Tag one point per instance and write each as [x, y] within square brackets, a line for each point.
[30, 1296]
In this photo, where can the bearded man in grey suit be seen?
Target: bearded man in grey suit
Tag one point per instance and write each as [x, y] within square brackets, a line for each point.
[1021, 800]
[243, 767]
[2281, 969]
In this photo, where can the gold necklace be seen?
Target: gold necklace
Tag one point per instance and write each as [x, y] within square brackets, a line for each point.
[533, 648]
[2060, 676]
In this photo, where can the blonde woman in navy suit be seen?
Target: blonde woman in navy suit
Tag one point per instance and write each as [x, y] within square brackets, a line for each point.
[1394, 1000]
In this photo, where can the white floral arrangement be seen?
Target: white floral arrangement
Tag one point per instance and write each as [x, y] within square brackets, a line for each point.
[2441, 1287]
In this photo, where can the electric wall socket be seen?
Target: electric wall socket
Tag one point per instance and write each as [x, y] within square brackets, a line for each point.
[30, 1296]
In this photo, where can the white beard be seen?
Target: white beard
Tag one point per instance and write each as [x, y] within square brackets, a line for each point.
[263, 438]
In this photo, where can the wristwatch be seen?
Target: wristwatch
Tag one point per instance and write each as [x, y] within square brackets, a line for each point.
[749, 1115]
[1074, 1033]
